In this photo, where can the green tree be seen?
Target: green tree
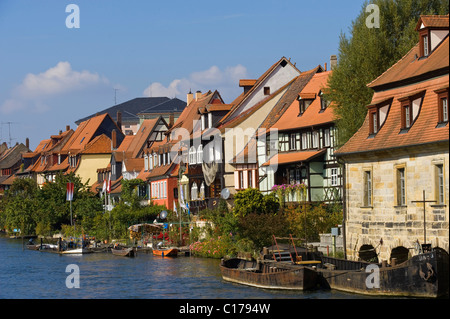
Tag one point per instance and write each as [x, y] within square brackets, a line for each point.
[368, 52]
[259, 228]
[251, 200]
[54, 209]
[309, 220]
[20, 205]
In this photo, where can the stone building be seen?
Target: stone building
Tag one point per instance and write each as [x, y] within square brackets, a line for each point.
[401, 154]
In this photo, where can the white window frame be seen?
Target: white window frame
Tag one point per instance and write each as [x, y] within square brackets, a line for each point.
[192, 156]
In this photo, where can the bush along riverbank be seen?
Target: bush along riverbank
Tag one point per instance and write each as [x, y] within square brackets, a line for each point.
[250, 224]
[246, 227]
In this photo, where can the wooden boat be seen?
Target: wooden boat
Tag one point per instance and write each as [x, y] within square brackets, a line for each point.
[125, 252]
[268, 274]
[77, 251]
[33, 247]
[424, 275]
[165, 252]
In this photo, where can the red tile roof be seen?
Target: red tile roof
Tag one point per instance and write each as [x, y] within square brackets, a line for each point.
[433, 21]
[424, 130]
[139, 143]
[99, 145]
[424, 75]
[410, 68]
[293, 157]
[313, 115]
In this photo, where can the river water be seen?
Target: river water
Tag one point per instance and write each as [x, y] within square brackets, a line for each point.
[27, 274]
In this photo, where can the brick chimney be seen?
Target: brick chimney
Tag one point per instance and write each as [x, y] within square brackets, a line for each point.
[333, 62]
[113, 140]
[171, 120]
[198, 94]
[27, 143]
[190, 97]
[67, 127]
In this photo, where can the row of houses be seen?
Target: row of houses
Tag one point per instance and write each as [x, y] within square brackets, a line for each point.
[281, 131]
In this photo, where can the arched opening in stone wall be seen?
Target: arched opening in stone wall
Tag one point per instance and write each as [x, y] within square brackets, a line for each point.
[368, 253]
[399, 254]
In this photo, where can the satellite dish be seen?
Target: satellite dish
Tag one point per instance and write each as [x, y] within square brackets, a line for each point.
[163, 214]
[225, 193]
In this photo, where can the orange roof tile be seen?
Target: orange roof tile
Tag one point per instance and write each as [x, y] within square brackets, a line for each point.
[406, 78]
[409, 68]
[433, 21]
[99, 145]
[424, 130]
[313, 115]
[293, 157]
[60, 167]
[247, 82]
[123, 147]
[190, 115]
[134, 164]
[140, 139]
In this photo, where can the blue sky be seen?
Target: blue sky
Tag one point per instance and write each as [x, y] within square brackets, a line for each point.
[51, 76]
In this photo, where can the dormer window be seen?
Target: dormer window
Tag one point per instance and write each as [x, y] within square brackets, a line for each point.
[410, 108]
[425, 44]
[377, 115]
[323, 102]
[432, 30]
[303, 105]
[304, 101]
[442, 95]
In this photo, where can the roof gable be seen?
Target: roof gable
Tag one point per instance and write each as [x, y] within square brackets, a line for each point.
[313, 115]
[89, 129]
[280, 73]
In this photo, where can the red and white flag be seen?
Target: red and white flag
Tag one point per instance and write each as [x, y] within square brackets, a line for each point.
[104, 186]
[69, 193]
[108, 189]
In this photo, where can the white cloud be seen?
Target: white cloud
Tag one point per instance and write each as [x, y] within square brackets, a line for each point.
[35, 88]
[225, 81]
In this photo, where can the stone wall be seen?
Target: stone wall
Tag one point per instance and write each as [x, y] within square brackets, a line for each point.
[384, 220]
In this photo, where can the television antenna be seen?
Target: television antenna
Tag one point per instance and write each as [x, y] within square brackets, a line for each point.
[9, 131]
[115, 96]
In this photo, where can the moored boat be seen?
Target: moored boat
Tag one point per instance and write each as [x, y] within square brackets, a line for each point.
[125, 252]
[77, 251]
[268, 274]
[424, 275]
[165, 252]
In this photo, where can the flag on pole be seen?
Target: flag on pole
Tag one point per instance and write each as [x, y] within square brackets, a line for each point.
[69, 193]
[104, 186]
[108, 189]
[175, 208]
